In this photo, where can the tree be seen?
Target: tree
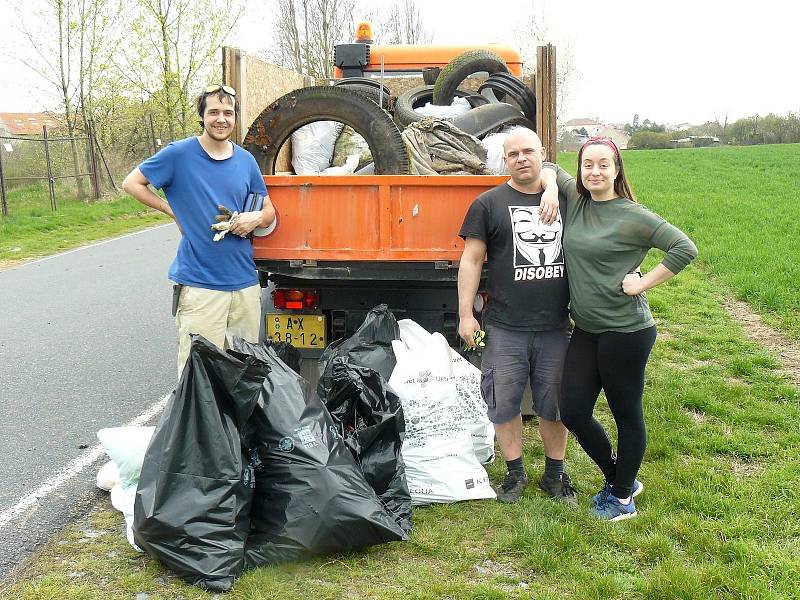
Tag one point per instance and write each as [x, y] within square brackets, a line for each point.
[650, 140]
[306, 32]
[173, 50]
[67, 60]
[532, 30]
[402, 24]
[718, 127]
[646, 125]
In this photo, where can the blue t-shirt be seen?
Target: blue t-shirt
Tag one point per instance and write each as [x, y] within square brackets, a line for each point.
[195, 184]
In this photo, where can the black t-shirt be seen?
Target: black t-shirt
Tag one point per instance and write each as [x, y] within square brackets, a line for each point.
[527, 280]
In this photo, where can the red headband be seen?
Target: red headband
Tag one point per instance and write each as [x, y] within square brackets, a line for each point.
[606, 142]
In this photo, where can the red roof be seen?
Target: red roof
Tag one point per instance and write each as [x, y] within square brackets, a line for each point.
[27, 123]
[581, 122]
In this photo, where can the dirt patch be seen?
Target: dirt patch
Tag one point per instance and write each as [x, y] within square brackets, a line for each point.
[744, 469]
[7, 264]
[697, 417]
[786, 350]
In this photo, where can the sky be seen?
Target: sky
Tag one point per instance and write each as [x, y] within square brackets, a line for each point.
[672, 62]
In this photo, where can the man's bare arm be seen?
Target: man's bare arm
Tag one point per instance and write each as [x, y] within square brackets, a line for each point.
[469, 278]
[248, 221]
[136, 184]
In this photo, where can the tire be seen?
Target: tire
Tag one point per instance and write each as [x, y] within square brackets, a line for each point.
[405, 104]
[491, 117]
[429, 74]
[501, 85]
[288, 113]
[461, 67]
[367, 87]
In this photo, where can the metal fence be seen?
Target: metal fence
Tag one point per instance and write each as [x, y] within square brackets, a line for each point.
[41, 164]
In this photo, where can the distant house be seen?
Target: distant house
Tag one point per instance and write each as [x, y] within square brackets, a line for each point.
[618, 136]
[27, 124]
[575, 126]
[593, 127]
[696, 141]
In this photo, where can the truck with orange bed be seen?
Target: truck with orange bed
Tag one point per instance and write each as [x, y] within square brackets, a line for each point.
[345, 244]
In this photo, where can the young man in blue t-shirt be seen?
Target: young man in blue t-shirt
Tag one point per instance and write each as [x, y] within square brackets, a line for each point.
[220, 293]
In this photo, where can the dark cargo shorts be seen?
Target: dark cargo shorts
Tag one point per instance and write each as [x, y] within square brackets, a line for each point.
[513, 358]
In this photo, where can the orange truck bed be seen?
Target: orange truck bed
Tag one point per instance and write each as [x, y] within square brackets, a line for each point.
[369, 217]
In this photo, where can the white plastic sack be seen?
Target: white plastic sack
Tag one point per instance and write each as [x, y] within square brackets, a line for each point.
[312, 147]
[466, 379]
[347, 168]
[107, 476]
[441, 431]
[445, 470]
[494, 153]
[457, 107]
[126, 447]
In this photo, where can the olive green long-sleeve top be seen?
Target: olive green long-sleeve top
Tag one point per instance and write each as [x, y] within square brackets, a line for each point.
[603, 242]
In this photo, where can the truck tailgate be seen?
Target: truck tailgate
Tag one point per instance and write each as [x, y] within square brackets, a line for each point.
[369, 217]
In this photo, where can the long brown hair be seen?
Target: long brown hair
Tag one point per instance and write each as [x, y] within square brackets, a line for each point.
[622, 187]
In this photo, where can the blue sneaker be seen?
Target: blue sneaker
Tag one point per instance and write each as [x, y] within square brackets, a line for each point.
[638, 488]
[600, 496]
[611, 509]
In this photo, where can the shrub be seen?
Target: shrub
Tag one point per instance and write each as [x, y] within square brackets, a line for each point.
[650, 140]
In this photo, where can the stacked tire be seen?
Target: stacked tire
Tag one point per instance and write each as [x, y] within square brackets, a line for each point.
[364, 104]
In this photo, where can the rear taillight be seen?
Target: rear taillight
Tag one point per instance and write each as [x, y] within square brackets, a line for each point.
[310, 299]
[295, 299]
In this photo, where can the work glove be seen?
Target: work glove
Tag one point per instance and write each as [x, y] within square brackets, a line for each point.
[479, 338]
[225, 220]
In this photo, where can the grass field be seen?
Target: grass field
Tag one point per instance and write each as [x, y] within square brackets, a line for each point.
[741, 205]
[717, 517]
[32, 229]
[722, 468]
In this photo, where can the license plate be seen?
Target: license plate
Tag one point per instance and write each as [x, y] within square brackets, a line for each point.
[301, 331]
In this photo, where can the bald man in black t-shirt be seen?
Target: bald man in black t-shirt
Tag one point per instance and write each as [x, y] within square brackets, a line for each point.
[526, 319]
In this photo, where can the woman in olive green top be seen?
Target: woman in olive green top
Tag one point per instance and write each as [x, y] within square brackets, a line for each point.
[607, 234]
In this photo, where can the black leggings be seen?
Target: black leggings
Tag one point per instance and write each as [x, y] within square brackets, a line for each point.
[615, 362]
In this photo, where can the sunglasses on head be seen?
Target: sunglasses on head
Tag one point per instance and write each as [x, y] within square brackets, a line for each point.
[216, 87]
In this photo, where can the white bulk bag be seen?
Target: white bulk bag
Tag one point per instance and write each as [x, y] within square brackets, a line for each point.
[440, 440]
[125, 446]
[312, 147]
[465, 377]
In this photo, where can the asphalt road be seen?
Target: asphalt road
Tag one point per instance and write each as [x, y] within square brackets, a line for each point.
[87, 341]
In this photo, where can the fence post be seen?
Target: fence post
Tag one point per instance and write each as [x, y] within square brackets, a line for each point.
[3, 186]
[234, 64]
[49, 169]
[546, 99]
[93, 159]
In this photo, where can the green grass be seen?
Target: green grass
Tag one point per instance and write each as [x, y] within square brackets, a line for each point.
[717, 518]
[32, 229]
[741, 206]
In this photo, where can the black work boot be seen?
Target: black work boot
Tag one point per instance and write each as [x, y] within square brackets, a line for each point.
[512, 487]
[561, 489]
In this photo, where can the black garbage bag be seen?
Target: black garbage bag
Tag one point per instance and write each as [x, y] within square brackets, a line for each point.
[192, 506]
[288, 354]
[310, 497]
[371, 421]
[370, 346]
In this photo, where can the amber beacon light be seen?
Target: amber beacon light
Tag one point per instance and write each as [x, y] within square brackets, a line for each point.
[364, 32]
